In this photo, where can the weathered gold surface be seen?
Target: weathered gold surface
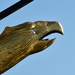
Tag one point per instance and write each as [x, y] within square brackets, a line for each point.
[18, 42]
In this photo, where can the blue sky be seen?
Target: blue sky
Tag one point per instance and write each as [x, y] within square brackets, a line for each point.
[59, 58]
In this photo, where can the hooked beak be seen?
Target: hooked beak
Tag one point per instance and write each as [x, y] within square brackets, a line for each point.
[41, 44]
[52, 27]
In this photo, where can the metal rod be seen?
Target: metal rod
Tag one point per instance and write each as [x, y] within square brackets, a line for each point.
[14, 8]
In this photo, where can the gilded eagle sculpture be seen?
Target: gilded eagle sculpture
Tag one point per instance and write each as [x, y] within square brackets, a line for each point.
[18, 42]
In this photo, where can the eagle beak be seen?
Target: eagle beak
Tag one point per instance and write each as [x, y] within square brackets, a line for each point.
[54, 27]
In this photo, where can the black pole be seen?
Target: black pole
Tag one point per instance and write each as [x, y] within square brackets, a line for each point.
[14, 8]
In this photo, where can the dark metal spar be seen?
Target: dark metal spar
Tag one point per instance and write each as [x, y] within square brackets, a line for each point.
[14, 8]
